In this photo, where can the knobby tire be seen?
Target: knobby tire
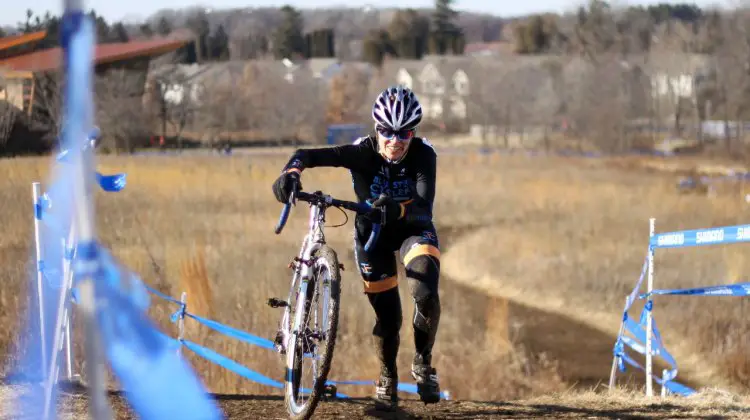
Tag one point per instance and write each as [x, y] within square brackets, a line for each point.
[327, 258]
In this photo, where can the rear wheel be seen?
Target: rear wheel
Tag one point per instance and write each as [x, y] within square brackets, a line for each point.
[313, 335]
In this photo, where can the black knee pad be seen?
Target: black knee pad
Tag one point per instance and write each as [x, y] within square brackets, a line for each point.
[423, 273]
[427, 313]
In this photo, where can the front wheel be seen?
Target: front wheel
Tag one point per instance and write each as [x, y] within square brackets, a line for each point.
[313, 335]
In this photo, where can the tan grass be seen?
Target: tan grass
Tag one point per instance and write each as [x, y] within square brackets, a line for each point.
[573, 241]
[569, 230]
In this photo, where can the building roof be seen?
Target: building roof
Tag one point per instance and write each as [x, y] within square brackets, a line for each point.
[15, 40]
[50, 59]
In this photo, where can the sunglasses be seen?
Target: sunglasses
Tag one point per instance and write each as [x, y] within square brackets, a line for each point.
[401, 135]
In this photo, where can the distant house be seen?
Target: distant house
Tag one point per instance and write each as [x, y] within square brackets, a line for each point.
[182, 83]
[21, 61]
[674, 75]
[443, 86]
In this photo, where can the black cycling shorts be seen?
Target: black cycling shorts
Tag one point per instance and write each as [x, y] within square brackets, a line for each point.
[378, 267]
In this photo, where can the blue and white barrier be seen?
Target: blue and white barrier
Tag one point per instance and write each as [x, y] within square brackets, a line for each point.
[111, 301]
[61, 277]
[252, 340]
[645, 331]
[42, 204]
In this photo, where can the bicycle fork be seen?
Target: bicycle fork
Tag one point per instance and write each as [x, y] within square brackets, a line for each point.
[298, 265]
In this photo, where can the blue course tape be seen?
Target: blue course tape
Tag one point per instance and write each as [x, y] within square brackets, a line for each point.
[737, 289]
[234, 333]
[230, 364]
[144, 361]
[676, 239]
[699, 237]
[245, 372]
[638, 330]
[111, 183]
[251, 339]
[161, 295]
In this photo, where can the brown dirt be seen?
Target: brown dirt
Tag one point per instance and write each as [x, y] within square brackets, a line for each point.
[590, 405]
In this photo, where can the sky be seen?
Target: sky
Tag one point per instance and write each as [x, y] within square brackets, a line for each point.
[14, 11]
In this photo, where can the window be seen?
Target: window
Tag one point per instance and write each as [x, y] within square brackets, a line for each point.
[461, 83]
[458, 107]
[437, 109]
[404, 78]
[432, 82]
[433, 86]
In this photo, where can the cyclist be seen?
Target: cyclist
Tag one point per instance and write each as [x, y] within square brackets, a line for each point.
[395, 172]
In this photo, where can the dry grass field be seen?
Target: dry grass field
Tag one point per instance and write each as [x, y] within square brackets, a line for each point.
[538, 256]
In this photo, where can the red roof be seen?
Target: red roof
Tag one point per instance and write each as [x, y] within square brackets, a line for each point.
[50, 59]
[12, 41]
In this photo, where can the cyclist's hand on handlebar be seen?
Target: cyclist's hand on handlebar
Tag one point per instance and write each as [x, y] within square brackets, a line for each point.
[385, 210]
[285, 184]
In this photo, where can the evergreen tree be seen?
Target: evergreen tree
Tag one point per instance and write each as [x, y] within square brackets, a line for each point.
[446, 36]
[198, 23]
[146, 30]
[377, 44]
[163, 28]
[119, 33]
[443, 16]
[220, 44]
[288, 40]
[409, 33]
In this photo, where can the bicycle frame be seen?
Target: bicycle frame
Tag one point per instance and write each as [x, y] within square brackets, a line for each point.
[313, 240]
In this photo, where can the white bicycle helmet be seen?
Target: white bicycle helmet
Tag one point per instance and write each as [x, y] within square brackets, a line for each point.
[397, 109]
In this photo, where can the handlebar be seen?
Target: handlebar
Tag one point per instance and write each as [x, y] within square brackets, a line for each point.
[328, 201]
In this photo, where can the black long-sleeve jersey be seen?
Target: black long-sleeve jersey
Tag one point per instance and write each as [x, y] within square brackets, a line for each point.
[411, 181]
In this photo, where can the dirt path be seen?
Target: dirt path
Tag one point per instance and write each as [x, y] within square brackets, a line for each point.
[563, 329]
[74, 404]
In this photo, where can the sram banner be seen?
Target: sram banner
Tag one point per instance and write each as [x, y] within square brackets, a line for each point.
[720, 235]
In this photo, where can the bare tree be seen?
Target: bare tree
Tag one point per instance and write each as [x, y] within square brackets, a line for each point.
[119, 111]
[732, 73]
[8, 114]
[173, 98]
[487, 104]
[248, 42]
[348, 96]
[286, 107]
[223, 109]
[512, 100]
[47, 102]
[256, 101]
[600, 111]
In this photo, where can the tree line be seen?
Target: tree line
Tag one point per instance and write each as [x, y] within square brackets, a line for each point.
[598, 25]
[411, 35]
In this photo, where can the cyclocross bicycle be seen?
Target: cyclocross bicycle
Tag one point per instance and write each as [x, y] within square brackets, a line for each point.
[307, 332]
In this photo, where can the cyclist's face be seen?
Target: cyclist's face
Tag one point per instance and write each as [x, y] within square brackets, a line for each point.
[393, 145]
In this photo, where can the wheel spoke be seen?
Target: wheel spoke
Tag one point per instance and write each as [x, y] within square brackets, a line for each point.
[314, 334]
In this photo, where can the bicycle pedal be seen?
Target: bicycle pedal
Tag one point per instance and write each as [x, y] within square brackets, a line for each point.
[277, 303]
[330, 391]
[278, 343]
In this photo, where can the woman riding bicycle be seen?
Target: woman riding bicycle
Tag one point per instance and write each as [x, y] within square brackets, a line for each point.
[403, 167]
